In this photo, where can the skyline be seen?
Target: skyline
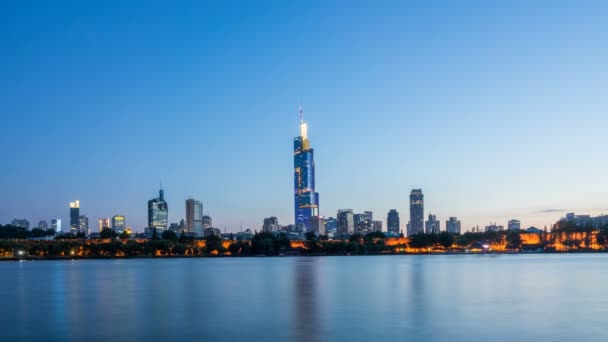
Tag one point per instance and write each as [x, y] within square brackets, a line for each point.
[495, 113]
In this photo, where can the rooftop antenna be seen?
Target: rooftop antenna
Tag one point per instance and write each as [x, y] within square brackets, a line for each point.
[301, 114]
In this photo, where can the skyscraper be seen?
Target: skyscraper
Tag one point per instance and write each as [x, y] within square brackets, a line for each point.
[392, 222]
[83, 224]
[118, 223]
[43, 225]
[22, 223]
[317, 225]
[158, 212]
[377, 226]
[514, 225]
[305, 198]
[74, 216]
[104, 223]
[416, 225]
[452, 225]
[56, 225]
[194, 216]
[432, 225]
[346, 224]
[271, 224]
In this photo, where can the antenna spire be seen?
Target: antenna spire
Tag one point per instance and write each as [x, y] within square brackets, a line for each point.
[301, 114]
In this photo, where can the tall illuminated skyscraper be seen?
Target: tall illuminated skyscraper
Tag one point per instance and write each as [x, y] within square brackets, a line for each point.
[194, 216]
[305, 198]
[416, 225]
[74, 217]
[158, 212]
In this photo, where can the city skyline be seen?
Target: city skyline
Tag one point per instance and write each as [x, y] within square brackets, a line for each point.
[102, 110]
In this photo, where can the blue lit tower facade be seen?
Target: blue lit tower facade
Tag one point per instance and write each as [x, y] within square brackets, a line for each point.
[305, 198]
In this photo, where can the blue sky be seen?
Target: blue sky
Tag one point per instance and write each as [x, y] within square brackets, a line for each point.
[497, 110]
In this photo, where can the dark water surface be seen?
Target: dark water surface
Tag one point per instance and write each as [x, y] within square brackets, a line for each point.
[376, 298]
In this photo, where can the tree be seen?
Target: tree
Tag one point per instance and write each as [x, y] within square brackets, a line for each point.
[155, 234]
[445, 239]
[108, 233]
[124, 235]
[374, 236]
[169, 235]
[514, 238]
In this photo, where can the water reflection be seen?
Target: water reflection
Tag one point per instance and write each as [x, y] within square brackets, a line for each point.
[306, 296]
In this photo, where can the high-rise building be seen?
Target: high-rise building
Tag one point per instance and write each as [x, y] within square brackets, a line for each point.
[83, 224]
[182, 226]
[345, 222]
[331, 225]
[56, 225]
[194, 217]
[305, 197]
[317, 225]
[43, 225]
[514, 225]
[158, 212]
[452, 225]
[74, 216]
[104, 223]
[363, 222]
[22, 223]
[118, 223]
[377, 226]
[432, 225]
[392, 223]
[416, 225]
[493, 227]
[271, 224]
[207, 222]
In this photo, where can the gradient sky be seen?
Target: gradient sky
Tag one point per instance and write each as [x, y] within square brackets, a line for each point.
[497, 110]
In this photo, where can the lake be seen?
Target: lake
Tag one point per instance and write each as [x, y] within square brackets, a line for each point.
[357, 298]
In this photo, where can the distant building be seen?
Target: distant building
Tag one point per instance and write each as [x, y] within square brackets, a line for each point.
[331, 225]
[514, 225]
[585, 220]
[212, 232]
[104, 223]
[194, 216]
[183, 227]
[207, 222]
[158, 212]
[432, 225]
[377, 226]
[416, 212]
[534, 230]
[244, 235]
[271, 224]
[306, 199]
[43, 225]
[317, 225]
[56, 225]
[83, 224]
[345, 222]
[174, 227]
[118, 223]
[452, 225]
[493, 227]
[392, 223]
[74, 216]
[22, 223]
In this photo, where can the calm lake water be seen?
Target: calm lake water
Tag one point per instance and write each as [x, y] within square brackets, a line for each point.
[375, 298]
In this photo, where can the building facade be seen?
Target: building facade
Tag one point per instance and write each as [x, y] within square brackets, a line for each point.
[118, 223]
[43, 225]
[432, 225]
[83, 224]
[392, 223]
[345, 222]
[158, 212]
[416, 224]
[317, 225]
[74, 216]
[22, 223]
[104, 223]
[56, 225]
[306, 199]
[452, 225]
[194, 217]
[514, 225]
[271, 224]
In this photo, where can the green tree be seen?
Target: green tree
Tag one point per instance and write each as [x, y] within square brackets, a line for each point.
[169, 235]
[108, 233]
[124, 235]
[445, 239]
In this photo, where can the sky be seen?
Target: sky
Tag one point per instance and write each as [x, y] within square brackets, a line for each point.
[497, 110]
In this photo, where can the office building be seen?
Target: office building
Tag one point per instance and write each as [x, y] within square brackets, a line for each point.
[377, 226]
[493, 227]
[317, 225]
[345, 222]
[331, 225]
[194, 217]
[271, 224]
[392, 223]
[118, 223]
[416, 225]
[74, 216]
[43, 225]
[104, 223]
[514, 225]
[83, 224]
[56, 225]
[432, 225]
[207, 222]
[158, 213]
[306, 199]
[452, 225]
[22, 223]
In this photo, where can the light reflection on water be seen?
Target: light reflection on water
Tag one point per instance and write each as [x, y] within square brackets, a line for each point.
[418, 298]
